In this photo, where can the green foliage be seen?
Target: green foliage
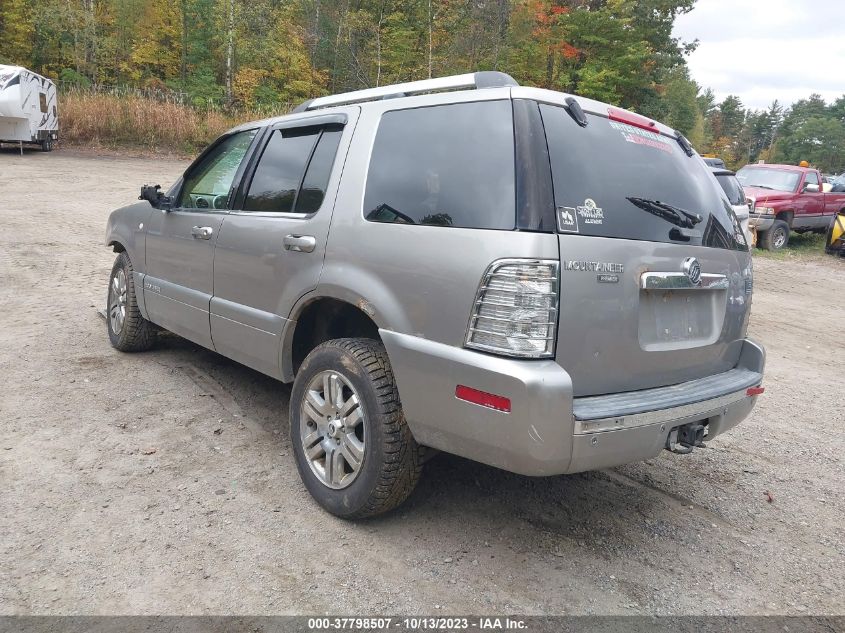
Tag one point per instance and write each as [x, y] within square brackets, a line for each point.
[270, 54]
[809, 130]
[818, 139]
[16, 32]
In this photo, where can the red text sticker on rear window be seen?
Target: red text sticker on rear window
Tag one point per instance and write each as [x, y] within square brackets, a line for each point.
[640, 136]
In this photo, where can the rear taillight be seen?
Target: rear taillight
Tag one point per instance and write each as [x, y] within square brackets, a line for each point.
[515, 310]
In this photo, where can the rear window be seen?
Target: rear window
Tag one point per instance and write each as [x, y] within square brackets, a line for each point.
[615, 180]
[732, 188]
[450, 166]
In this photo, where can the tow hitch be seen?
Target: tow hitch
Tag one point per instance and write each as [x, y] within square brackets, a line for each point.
[683, 439]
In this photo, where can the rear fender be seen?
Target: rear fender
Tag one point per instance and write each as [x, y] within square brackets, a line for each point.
[361, 289]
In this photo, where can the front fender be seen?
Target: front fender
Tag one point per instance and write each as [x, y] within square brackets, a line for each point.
[127, 227]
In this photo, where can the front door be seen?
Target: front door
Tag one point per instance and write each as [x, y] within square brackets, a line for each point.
[271, 245]
[811, 203]
[180, 242]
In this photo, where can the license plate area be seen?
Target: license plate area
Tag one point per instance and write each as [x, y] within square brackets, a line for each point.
[680, 319]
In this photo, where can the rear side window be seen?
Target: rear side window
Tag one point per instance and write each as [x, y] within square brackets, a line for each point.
[449, 165]
[293, 171]
[279, 173]
[615, 180]
[316, 179]
[732, 188]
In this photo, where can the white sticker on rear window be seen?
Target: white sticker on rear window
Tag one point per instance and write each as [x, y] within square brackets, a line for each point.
[590, 213]
[639, 136]
[567, 219]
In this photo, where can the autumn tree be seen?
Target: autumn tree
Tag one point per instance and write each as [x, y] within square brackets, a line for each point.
[16, 33]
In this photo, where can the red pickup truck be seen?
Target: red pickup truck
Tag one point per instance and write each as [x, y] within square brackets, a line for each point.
[787, 198]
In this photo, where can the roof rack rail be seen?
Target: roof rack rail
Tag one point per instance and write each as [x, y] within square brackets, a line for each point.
[484, 79]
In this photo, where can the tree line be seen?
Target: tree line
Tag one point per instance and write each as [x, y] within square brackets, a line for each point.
[266, 53]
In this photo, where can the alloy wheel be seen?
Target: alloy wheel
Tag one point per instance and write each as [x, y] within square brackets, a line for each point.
[333, 429]
[117, 301]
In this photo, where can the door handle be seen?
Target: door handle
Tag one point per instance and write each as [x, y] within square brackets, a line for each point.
[300, 243]
[202, 232]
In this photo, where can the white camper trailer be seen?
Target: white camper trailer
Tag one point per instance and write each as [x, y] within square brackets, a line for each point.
[28, 109]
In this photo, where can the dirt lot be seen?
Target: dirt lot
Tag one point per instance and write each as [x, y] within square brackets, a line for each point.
[164, 482]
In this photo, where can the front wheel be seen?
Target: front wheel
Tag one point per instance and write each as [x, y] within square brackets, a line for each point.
[128, 330]
[47, 145]
[776, 237]
[353, 448]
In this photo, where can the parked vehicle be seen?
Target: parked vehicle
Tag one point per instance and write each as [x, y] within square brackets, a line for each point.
[742, 204]
[788, 198]
[28, 108]
[712, 161]
[445, 265]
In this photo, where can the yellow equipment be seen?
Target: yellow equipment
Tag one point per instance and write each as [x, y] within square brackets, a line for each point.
[834, 242]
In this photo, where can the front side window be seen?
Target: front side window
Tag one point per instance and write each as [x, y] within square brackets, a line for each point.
[208, 184]
[449, 165]
[812, 178]
[615, 180]
[293, 171]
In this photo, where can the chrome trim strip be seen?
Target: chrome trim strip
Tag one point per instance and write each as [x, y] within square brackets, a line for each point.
[680, 281]
[586, 427]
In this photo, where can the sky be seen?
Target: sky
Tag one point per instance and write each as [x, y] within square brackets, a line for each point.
[762, 50]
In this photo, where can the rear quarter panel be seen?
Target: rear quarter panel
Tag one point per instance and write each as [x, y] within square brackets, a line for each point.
[418, 280]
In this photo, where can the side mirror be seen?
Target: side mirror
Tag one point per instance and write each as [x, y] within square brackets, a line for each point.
[811, 188]
[153, 195]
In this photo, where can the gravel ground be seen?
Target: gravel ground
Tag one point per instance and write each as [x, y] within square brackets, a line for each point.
[164, 482]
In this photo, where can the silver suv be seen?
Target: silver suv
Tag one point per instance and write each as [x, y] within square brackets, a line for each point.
[446, 265]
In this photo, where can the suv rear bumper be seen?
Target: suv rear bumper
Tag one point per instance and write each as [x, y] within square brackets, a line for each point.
[547, 431]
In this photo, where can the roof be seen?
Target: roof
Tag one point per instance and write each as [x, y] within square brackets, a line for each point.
[783, 167]
[718, 171]
[455, 85]
[4, 69]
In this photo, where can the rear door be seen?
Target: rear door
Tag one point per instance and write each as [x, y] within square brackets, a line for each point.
[638, 220]
[180, 242]
[272, 244]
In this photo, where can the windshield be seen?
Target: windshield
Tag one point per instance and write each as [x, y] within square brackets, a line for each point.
[765, 178]
[732, 188]
[614, 180]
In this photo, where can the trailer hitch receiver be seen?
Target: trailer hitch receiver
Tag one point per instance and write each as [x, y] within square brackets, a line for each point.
[683, 439]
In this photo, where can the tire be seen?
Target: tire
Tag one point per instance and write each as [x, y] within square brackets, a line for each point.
[389, 465]
[47, 145]
[128, 330]
[776, 237]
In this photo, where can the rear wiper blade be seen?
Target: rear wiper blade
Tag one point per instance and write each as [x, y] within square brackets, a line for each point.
[674, 215]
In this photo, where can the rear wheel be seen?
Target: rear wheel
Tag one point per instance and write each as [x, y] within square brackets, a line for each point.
[47, 145]
[776, 237]
[353, 448]
[128, 330]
